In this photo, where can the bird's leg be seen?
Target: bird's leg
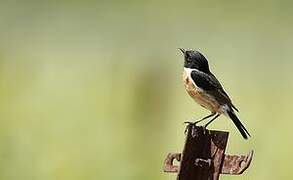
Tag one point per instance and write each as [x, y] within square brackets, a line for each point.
[206, 125]
[194, 123]
[206, 117]
[211, 115]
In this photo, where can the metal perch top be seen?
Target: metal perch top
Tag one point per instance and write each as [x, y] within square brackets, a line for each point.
[204, 158]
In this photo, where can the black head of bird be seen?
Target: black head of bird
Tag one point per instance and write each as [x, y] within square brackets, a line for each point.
[195, 60]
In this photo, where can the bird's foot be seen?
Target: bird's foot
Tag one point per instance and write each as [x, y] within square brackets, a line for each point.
[192, 125]
[205, 130]
[189, 123]
[192, 122]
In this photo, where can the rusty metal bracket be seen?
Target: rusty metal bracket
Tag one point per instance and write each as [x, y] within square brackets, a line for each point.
[168, 165]
[235, 164]
[204, 157]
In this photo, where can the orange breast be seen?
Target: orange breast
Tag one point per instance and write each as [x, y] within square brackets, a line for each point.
[201, 98]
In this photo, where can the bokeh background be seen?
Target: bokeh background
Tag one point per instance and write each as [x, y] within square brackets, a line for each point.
[92, 89]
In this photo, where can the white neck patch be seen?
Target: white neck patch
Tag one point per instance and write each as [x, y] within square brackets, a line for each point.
[188, 73]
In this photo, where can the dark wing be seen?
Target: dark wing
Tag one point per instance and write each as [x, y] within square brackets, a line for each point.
[209, 83]
[222, 91]
[205, 81]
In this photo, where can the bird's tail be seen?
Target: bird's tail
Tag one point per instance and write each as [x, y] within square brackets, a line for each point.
[238, 124]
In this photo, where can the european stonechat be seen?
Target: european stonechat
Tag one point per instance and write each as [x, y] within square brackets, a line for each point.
[207, 91]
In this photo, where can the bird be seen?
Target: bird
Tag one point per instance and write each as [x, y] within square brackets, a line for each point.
[207, 91]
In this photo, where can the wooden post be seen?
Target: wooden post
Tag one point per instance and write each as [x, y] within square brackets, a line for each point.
[203, 156]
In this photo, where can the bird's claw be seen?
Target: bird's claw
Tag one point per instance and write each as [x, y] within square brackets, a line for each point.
[189, 123]
[193, 130]
[192, 125]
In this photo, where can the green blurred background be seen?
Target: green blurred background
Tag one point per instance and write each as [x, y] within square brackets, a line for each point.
[92, 89]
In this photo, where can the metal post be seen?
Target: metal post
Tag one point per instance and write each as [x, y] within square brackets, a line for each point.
[203, 156]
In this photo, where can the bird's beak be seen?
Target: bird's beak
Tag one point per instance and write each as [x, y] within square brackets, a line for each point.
[182, 50]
